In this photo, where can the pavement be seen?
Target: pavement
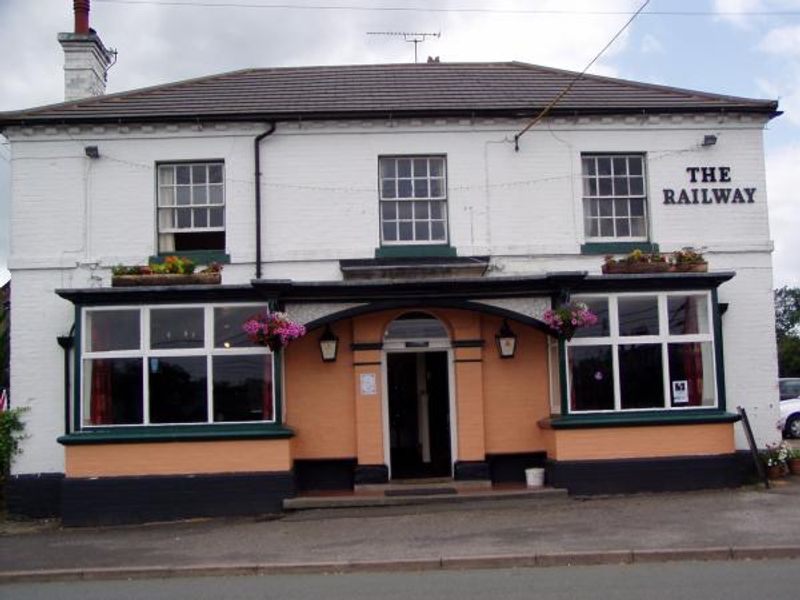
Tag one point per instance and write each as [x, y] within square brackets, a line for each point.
[745, 523]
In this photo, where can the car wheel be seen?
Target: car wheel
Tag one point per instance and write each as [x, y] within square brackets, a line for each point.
[792, 428]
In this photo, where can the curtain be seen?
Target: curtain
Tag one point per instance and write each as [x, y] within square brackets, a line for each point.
[101, 408]
[693, 355]
[266, 392]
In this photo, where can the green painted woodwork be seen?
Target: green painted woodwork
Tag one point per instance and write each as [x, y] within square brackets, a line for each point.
[415, 251]
[617, 247]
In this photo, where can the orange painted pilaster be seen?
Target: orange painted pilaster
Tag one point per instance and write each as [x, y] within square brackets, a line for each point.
[469, 404]
[369, 416]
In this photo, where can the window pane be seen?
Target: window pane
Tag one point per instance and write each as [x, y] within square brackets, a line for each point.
[182, 174]
[243, 388]
[166, 196]
[387, 167]
[421, 230]
[437, 210]
[112, 330]
[389, 210]
[592, 228]
[404, 209]
[637, 208]
[691, 374]
[200, 217]
[621, 208]
[638, 315]
[620, 186]
[437, 167]
[437, 231]
[638, 228]
[637, 186]
[184, 218]
[620, 167]
[604, 166]
[215, 173]
[406, 231]
[387, 188]
[641, 376]
[623, 227]
[606, 227]
[216, 217]
[390, 231]
[166, 175]
[588, 166]
[112, 391]
[635, 165]
[687, 314]
[199, 194]
[421, 167]
[598, 306]
[591, 378]
[605, 186]
[199, 174]
[404, 167]
[420, 188]
[437, 188]
[178, 390]
[176, 328]
[404, 188]
[228, 321]
[215, 194]
[183, 195]
[420, 210]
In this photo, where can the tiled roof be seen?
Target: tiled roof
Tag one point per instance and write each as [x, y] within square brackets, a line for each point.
[429, 89]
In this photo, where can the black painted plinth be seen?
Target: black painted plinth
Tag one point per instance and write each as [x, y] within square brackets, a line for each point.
[473, 470]
[369, 474]
[37, 495]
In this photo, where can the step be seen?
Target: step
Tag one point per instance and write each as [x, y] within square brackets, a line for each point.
[418, 497]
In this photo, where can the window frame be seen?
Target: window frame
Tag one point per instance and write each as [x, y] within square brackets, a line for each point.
[159, 206]
[645, 196]
[144, 352]
[444, 199]
[664, 339]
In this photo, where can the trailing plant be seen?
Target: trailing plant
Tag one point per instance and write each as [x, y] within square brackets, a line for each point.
[174, 265]
[636, 257]
[272, 329]
[568, 318]
[12, 431]
[687, 256]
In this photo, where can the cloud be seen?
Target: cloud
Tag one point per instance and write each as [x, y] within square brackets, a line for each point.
[730, 11]
[782, 41]
[651, 45]
[784, 213]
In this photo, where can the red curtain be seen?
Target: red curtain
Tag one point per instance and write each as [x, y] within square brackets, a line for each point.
[101, 412]
[267, 389]
[693, 355]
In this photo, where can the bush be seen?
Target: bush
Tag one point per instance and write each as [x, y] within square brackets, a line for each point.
[11, 433]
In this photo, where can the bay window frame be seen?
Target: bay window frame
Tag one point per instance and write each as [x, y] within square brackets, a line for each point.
[145, 353]
[614, 340]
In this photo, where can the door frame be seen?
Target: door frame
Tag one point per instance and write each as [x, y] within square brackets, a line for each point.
[399, 347]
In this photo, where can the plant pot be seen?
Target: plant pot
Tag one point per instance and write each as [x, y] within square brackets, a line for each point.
[775, 471]
[794, 466]
[642, 267]
[690, 267]
[165, 279]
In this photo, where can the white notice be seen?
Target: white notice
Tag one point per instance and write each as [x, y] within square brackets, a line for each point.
[368, 386]
[680, 391]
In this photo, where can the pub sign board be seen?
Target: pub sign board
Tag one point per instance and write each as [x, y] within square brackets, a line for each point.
[713, 190]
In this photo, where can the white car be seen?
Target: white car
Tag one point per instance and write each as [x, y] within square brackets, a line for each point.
[789, 423]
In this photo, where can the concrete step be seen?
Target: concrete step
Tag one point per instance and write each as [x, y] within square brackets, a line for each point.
[419, 497]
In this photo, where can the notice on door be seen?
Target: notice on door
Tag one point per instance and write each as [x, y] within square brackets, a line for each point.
[368, 385]
[680, 391]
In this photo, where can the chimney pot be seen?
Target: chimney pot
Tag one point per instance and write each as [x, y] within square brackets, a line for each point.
[81, 9]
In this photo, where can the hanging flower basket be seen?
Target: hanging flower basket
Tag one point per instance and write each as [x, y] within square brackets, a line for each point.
[568, 318]
[273, 329]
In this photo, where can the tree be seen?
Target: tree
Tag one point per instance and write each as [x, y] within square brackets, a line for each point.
[787, 330]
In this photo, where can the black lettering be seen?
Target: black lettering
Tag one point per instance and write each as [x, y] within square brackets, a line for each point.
[738, 197]
[694, 196]
[709, 174]
[669, 196]
[724, 174]
[692, 171]
[706, 199]
[751, 192]
[721, 195]
[683, 198]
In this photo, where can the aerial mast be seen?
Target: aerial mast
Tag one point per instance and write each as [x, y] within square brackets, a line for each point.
[414, 37]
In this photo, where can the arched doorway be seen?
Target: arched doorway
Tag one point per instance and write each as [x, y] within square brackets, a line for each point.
[418, 403]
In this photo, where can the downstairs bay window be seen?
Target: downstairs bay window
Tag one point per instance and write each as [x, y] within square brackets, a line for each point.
[648, 351]
[173, 365]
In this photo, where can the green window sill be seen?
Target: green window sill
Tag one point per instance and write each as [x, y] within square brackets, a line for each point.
[639, 419]
[200, 257]
[617, 247]
[175, 433]
[415, 251]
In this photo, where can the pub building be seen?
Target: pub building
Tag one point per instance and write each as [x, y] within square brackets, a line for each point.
[388, 210]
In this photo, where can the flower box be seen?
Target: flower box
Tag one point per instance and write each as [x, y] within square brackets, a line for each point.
[166, 279]
[643, 267]
[690, 267]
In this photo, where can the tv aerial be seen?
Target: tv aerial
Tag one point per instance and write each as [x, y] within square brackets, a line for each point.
[414, 37]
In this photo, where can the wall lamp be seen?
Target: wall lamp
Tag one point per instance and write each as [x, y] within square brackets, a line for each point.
[328, 345]
[709, 140]
[92, 151]
[506, 341]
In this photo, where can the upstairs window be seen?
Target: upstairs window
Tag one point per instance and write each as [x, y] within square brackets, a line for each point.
[191, 207]
[614, 198]
[413, 200]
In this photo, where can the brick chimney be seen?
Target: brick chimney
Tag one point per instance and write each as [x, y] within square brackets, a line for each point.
[86, 59]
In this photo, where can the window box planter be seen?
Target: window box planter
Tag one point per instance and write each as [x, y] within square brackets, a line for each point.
[621, 267]
[689, 267]
[166, 279]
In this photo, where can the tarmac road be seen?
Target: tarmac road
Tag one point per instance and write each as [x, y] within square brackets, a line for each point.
[742, 580]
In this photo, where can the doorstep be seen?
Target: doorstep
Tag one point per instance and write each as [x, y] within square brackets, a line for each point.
[417, 494]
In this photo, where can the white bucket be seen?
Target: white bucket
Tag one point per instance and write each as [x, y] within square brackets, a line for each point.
[534, 477]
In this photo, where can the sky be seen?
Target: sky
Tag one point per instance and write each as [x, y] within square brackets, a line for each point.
[740, 47]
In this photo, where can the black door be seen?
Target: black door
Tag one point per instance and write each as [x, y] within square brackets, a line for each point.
[420, 439]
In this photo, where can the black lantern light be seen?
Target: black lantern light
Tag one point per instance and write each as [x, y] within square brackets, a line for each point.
[506, 341]
[328, 345]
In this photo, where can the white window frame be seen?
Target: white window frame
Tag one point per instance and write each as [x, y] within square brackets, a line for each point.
[664, 338]
[145, 353]
[429, 199]
[644, 196]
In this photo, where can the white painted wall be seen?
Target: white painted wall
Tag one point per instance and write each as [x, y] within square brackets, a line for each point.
[73, 218]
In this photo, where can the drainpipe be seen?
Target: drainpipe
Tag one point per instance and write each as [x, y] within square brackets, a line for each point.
[257, 154]
[66, 342]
